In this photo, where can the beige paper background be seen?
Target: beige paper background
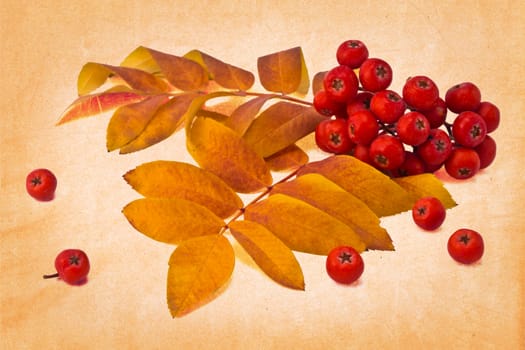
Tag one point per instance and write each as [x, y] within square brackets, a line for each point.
[415, 297]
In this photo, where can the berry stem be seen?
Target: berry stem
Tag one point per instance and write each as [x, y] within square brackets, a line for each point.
[55, 275]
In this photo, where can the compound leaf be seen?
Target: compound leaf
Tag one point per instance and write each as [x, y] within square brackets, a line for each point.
[171, 220]
[284, 71]
[301, 226]
[424, 185]
[269, 253]
[198, 269]
[167, 179]
[378, 191]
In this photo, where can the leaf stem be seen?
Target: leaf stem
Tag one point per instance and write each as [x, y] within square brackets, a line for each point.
[280, 96]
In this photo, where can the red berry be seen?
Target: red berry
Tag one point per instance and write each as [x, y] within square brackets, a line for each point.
[469, 129]
[387, 152]
[341, 84]
[361, 152]
[490, 113]
[413, 128]
[331, 135]
[437, 114]
[436, 149]
[326, 105]
[362, 127]
[411, 166]
[466, 246]
[41, 184]
[387, 106]
[420, 92]
[344, 265]
[428, 213]
[72, 266]
[463, 163]
[359, 103]
[375, 74]
[486, 152]
[463, 97]
[352, 53]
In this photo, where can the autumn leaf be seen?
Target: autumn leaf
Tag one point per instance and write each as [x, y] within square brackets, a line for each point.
[171, 220]
[129, 121]
[281, 125]
[424, 185]
[243, 116]
[301, 226]
[222, 151]
[269, 253]
[325, 195]
[140, 58]
[90, 105]
[317, 82]
[226, 75]
[377, 190]
[284, 71]
[292, 157]
[168, 179]
[198, 269]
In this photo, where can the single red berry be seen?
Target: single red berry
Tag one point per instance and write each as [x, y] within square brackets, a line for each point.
[375, 74]
[428, 213]
[437, 114]
[352, 53]
[341, 84]
[420, 92]
[490, 113]
[469, 129]
[387, 106]
[331, 135]
[463, 97]
[412, 165]
[486, 152]
[466, 246]
[436, 149]
[362, 127]
[387, 152]
[359, 103]
[463, 163]
[361, 152]
[72, 266]
[344, 264]
[413, 128]
[326, 105]
[41, 184]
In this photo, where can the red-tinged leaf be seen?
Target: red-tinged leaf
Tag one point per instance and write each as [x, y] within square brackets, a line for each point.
[243, 116]
[90, 105]
[290, 158]
[281, 125]
[284, 72]
[198, 270]
[378, 191]
[128, 122]
[93, 75]
[226, 75]
[222, 151]
[166, 120]
[301, 226]
[269, 253]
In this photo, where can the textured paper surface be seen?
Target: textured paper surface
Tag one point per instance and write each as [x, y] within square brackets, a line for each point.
[415, 297]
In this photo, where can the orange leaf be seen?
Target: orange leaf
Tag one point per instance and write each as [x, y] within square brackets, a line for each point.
[317, 82]
[243, 116]
[89, 105]
[292, 157]
[283, 72]
[171, 220]
[222, 151]
[224, 74]
[269, 253]
[167, 179]
[378, 191]
[198, 269]
[325, 195]
[301, 226]
[281, 125]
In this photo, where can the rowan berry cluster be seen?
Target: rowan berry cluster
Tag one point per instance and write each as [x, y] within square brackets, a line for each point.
[403, 133]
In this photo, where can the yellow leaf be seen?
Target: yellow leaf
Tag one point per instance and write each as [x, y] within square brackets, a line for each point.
[224, 74]
[325, 195]
[284, 71]
[301, 226]
[167, 179]
[425, 185]
[222, 151]
[140, 58]
[292, 157]
[198, 269]
[281, 125]
[377, 190]
[171, 220]
[269, 253]
[129, 121]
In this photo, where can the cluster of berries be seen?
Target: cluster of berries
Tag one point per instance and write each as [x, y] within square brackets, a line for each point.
[402, 134]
